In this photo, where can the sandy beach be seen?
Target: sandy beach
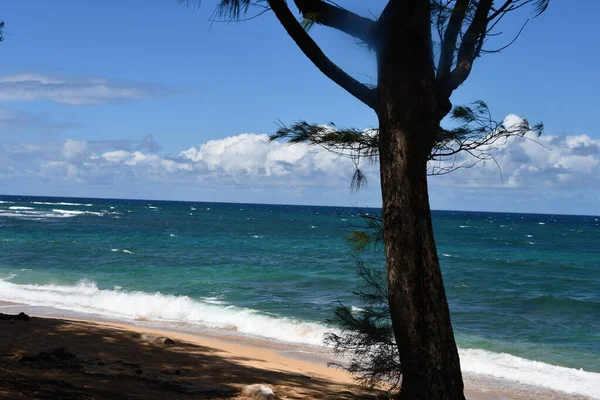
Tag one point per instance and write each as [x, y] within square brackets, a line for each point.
[76, 359]
[108, 361]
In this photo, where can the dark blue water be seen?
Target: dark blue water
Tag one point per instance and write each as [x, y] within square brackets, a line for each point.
[522, 284]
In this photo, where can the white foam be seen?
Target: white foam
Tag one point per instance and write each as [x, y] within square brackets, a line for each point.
[6, 202]
[76, 212]
[86, 297]
[62, 203]
[128, 251]
[153, 208]
[114, 249]
[20, 208]
[25, 214]
[70, 212]
[213, 300]
[536, 373]
[541, 223]
[356, 309]
[210, 312]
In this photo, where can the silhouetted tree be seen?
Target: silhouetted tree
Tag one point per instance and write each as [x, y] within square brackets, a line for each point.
[425, 49]
[1, 28]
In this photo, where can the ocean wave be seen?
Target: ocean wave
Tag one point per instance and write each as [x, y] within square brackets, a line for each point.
[213, 300]
[32, 213]
[536, 373]
[566, 303]
[62, 203]
[76, 212]
[86, 297]
[212, 312]
[24, 214]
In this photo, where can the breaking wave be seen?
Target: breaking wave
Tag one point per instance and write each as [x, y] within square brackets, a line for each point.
[214, 313]
[86, 297]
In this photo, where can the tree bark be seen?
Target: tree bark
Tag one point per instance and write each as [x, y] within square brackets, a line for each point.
[418, 305]
[410, 110]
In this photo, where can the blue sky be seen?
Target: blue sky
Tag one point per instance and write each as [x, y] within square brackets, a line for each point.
[107, 99]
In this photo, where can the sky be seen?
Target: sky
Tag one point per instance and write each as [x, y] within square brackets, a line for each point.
[149, 99]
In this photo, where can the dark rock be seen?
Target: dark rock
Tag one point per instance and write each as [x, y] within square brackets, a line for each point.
[138, 371]
[169, 341]
[49, 356]
[132, 365]
[177, 372]
[21, 316]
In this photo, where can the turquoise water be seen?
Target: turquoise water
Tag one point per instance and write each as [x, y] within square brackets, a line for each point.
[521, 284]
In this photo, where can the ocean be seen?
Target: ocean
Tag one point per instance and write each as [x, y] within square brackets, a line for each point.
[524, 289]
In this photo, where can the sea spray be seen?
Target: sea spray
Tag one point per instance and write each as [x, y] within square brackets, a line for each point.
[86, 297]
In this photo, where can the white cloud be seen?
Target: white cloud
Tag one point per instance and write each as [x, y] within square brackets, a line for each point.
[551, 167]
[548, 161]
[116, 157]
[74, 148]
[73, 91]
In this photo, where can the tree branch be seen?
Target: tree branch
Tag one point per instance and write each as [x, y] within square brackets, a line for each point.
[450, 38]
[318, 58]
[338, 18]
[502, 9]
[469, 47]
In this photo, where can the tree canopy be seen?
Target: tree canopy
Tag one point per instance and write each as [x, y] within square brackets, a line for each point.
[461, 31]
[424, 50]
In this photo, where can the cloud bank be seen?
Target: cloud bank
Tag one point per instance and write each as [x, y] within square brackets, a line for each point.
[73, 91]
[551, 167]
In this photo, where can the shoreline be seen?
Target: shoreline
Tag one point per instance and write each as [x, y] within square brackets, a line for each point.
[293, 358]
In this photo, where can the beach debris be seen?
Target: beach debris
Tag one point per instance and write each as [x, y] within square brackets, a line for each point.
[157, 339]
[54, 355]
[127, 364]
[169, 341]
[258, 392]
[21, 316]
[174, 372]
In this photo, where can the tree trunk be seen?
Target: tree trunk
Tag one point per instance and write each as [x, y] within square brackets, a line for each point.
[418, 305]
[410, 110]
